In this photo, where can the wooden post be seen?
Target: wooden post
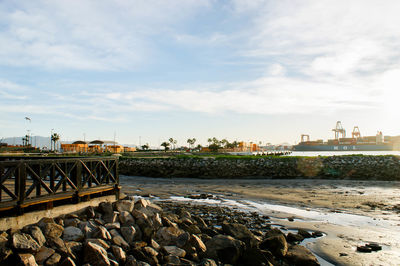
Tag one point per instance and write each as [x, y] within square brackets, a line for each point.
[116, 174]
[37, 170]
[52, 176]
[20, 181]
[1, 176]
[77, 179]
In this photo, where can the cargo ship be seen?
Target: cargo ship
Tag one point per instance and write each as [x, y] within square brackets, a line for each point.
[355, 143]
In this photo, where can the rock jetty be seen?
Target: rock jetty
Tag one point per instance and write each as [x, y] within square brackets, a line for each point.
[129, 232]
[332, 167]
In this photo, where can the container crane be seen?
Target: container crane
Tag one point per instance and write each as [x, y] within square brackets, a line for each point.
[305, 138]
[339, 131]
[356, 132]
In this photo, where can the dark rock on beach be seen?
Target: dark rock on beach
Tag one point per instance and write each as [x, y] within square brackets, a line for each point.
[130, 232]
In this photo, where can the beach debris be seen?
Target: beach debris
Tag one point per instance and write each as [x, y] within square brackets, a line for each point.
[374, 246]
[364, 249]
[342, 254]
[369, 247]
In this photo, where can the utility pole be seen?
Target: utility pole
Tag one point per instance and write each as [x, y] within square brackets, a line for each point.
[115, 145]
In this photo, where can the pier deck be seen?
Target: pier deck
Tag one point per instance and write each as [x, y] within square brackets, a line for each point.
[43, 182]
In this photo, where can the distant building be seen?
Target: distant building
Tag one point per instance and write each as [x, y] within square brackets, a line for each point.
[96, 146]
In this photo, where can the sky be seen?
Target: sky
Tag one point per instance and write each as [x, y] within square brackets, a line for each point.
[149, 70]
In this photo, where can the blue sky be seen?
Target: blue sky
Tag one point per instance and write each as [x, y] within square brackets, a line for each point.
[242, 70]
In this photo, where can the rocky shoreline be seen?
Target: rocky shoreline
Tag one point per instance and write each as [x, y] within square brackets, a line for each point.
[129, 232]
[332, 167]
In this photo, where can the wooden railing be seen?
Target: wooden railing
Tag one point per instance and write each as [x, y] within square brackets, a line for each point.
[31, 181]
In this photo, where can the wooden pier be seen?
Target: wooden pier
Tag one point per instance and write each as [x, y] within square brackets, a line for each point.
[32, 183]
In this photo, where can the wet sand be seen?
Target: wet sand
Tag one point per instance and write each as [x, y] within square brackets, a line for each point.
[376, 204]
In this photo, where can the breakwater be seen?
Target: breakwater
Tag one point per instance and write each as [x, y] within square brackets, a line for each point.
[331, 167]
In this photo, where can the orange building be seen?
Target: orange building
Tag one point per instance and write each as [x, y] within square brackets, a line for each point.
[77, 146]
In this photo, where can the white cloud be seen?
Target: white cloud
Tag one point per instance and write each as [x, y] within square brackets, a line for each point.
[93, 35]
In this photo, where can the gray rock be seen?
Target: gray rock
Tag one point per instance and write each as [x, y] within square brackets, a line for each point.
[129, 233]
[90, 213]
[124, 205]
[24, 242]
[119, 253]
[76, 248]
[52, 230]
[36, 233]
[174, 260]
[224, 248]
[126, 218]
[102, 233]
[118, 240]
[110, 226]
[304, 233]
[71, 222]
[276, 244]
[72, 234]
[26, 259]
[198, 243]
[141, 203]
[53, 260]
[182, 239]
[106, 208]
[43, 254]
[154, 244]
[294, 237]
[58, 244]
[299, 255]
[150, 251]
[95, 255]
[168, 235]
[98, 242]
[44, 221]
[175, 251]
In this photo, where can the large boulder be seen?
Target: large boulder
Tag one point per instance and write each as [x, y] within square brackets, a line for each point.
[196, 242]
[43, 254]
[36, 233]
[224, 248]
[59, 245]
[239, 231]
[126, 218]
[124, 205]
[95, 255]
[98, 242]
[102, 233]
[72, 233]
[118, 240]
[276, 244]
[175, 251]
[118, 253]
[168, 235]
[26, 259]
[52, 230]
[24, 242]
[53, 260]
[299, 255]
[129, 233]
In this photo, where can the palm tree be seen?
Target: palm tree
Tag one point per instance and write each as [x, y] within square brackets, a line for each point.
[165, 145]
[54, 139]
[171, 140]
[209, 140]
[191, 142]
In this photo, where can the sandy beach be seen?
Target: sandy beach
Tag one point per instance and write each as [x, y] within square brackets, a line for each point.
[351, 213]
